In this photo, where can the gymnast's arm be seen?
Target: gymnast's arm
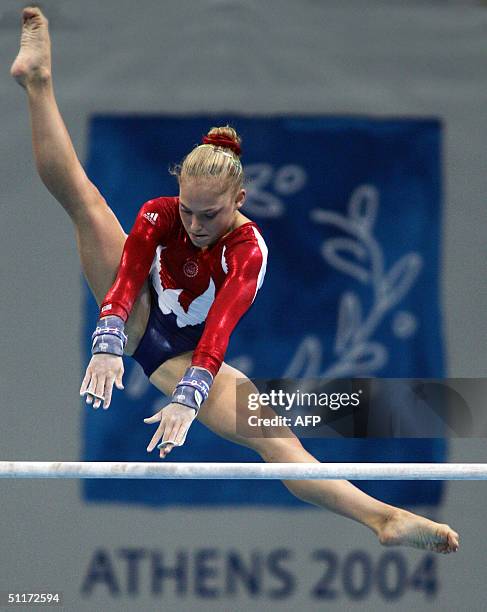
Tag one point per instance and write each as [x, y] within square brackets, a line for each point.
[137, 256]
[108, 340]
[246, 268]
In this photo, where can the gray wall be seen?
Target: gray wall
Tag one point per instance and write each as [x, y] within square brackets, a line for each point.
[378, 58]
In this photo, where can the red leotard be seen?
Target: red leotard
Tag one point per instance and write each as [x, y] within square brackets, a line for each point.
[216, 285]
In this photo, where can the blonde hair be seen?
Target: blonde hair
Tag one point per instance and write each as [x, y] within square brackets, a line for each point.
[220, 162]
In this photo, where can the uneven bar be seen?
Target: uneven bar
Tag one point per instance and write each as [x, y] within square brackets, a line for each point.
[253, 471]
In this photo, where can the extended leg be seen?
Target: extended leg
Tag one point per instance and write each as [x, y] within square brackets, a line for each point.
[99, 235]
[392, 526]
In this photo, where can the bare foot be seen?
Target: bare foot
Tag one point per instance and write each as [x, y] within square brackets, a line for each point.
[33, 63]
[408, 529]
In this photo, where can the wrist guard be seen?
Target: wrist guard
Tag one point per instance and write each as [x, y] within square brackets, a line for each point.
[193, 388]
[108, 336]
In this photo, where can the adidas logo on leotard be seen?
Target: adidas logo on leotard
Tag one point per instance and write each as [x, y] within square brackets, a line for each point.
[152, 217]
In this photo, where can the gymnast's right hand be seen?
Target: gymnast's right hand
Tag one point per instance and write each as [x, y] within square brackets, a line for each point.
[106, 365]
[103, 371]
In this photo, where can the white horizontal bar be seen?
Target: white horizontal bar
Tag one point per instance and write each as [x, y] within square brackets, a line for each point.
[259, 471]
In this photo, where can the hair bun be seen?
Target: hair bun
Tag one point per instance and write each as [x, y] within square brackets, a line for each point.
[222, 141]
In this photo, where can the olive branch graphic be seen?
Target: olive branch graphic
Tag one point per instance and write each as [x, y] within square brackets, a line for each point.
[359, 255]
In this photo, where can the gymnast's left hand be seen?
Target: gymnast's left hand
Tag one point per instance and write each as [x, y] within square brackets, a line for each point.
[174, 423]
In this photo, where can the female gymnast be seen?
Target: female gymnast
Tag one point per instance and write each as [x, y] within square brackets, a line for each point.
[175, 314]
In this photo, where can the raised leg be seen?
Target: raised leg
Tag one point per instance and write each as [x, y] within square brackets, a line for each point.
[393, 526]
[99, 235]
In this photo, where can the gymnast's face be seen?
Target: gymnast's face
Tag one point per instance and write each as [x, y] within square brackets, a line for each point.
[207, 212]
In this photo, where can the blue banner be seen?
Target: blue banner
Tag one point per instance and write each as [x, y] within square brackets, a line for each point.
[350, 209]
